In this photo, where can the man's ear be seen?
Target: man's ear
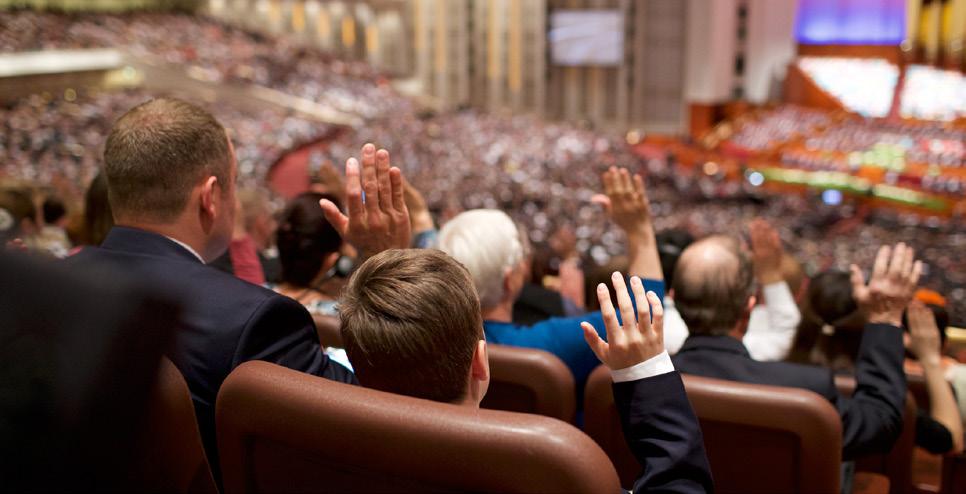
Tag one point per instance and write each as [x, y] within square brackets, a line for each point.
[507, 282]
[480, 366]
[752, 300]
[210, 196]
[670, 293]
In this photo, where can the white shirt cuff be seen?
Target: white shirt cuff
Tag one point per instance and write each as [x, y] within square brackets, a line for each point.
[654, 366]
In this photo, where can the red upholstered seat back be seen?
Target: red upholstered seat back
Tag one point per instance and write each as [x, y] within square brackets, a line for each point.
[758, 438]
[171, 456]
[529, 381]
[284, 431]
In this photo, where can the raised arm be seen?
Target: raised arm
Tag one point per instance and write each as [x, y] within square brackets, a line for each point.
[658, 422]
[925, 344]
[625, 200]
[772, 337]
[872, 418]
[379, 220]
[423, 226]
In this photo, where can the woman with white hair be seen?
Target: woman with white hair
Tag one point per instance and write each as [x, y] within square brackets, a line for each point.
[488, 243]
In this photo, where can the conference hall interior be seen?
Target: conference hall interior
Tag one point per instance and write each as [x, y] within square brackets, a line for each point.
[279, 246]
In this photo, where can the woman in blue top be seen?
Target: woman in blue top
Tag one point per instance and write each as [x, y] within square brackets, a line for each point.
[488, 243]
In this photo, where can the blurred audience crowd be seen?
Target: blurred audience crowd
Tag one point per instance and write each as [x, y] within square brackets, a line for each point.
[542, 173]
[46, 139]
[734, 282]
[212, 50]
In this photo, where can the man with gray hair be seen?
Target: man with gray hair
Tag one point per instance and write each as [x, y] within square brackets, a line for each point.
[489, 244]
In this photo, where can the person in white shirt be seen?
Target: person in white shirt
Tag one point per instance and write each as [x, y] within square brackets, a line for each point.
[773, 322]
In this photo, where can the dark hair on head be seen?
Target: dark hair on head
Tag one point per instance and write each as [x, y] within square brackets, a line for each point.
[410, 324]
[713, 297]
[829, 296]
[670, 244]
[98, 216]
[828, 302]
[54, 210]
[304, 238]
[157, 152]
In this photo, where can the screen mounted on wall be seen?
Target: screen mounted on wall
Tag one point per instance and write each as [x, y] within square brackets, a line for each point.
[586, 37]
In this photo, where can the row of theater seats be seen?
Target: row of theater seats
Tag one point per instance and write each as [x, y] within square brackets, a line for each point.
[284, 431]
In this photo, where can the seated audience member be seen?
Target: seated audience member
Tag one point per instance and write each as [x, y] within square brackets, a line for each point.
[831, 336]
[308, 248]
[412, 325]
[635, 354]
[937, 304]
[940, 430]
[98, 216]
[567, 262]
[831, 329]
[670, 245]
[251, 238]
[489, 244]
[171, 172]
[772, 324]
[53, 235]
[18, 217]
[713, 292]
[535, 302]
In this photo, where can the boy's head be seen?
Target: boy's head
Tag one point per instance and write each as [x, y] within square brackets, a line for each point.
[411, 325]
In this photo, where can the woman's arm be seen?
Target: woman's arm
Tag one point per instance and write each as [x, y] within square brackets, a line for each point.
[924, 343]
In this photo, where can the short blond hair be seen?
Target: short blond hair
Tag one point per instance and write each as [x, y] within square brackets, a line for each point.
[411, 323]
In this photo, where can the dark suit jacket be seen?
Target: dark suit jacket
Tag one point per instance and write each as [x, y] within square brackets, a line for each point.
[226, 321]
[663, 433]
[871, 418]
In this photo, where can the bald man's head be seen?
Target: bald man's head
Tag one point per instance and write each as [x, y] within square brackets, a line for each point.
[712, 285]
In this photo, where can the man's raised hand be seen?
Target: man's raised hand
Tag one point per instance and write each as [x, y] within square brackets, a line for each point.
[766, 250]
[891, 287]
[625, 200]
[640, 338]
[381, 221]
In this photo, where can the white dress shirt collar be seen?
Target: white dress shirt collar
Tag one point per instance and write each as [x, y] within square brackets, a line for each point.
[186, 247]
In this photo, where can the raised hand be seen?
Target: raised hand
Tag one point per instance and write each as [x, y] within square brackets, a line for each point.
[381, 221]
[891, 287]
[328, 181]
[766, 251]
[924, 339]
[625, 200]
[639, 338]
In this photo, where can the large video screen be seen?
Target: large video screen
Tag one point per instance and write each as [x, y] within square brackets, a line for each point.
[586, 37]
[851, 22]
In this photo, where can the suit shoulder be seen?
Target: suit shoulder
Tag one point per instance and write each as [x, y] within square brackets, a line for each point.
[818, 379]
[188, 275]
